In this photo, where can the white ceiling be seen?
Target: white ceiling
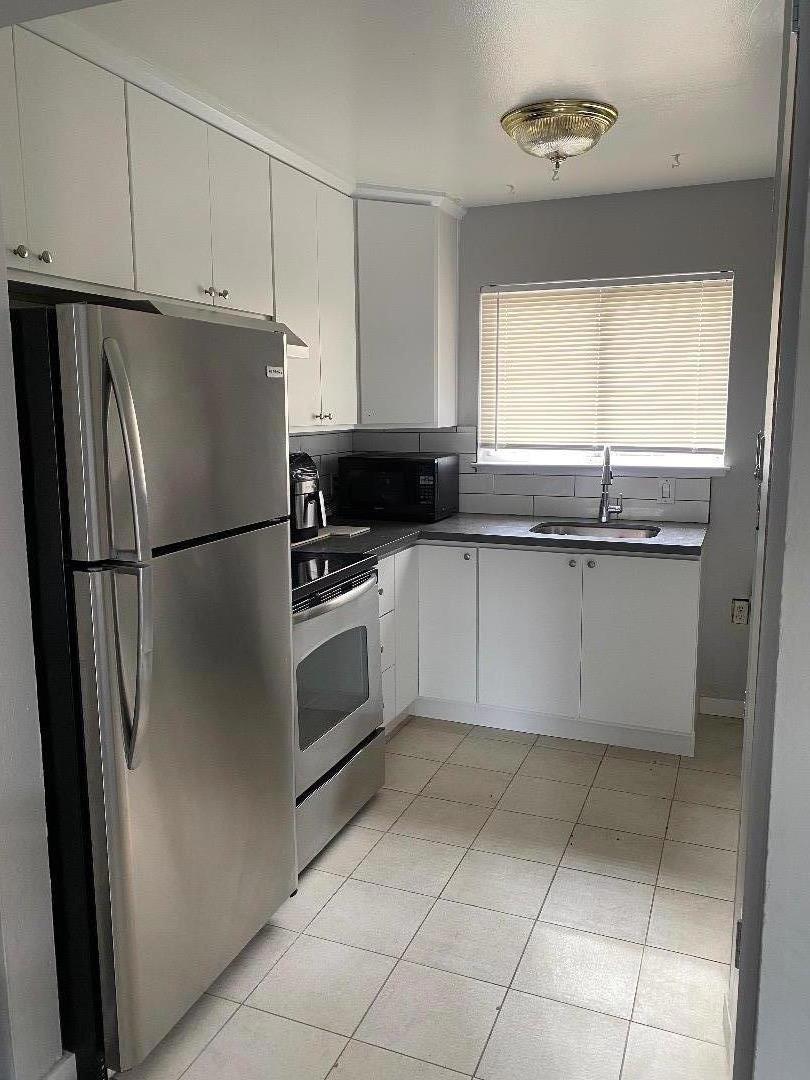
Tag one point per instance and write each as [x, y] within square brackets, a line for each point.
[408, 93]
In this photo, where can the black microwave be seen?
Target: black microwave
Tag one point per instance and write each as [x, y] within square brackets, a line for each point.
[398, 487]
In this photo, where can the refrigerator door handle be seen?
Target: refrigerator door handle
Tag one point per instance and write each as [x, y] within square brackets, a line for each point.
[136, 725]
[133, 451]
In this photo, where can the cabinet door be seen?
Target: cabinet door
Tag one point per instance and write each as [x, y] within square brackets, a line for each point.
[295, 255]
[337, 306]
[396, 261]
[406, 573]
[15, 227]
[447, 623]
[639, 641]
[74, 153]
[529, 615]
[171, 202]
[240, 224]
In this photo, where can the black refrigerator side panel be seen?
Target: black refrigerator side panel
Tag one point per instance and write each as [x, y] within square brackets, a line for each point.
[58, 687]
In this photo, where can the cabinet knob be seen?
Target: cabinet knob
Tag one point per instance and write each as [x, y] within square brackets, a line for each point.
[326, 416]
[380, 591]
[382, 648]
[21, 251]
[224, 293]
[46, 256]
[591, 563]
[572, 562]
[467, 556]
[210, 291]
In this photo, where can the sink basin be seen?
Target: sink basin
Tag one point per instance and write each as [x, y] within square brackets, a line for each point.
[596, 530]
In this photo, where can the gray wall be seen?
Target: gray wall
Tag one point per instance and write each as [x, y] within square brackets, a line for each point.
[783, 1033]
[677, 230]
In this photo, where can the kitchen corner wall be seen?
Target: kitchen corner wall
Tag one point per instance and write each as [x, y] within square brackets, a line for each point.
[677, 230]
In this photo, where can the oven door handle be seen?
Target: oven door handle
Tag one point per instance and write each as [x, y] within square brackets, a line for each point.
[336, 602]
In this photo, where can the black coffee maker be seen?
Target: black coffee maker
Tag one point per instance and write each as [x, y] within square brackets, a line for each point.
[307, 509]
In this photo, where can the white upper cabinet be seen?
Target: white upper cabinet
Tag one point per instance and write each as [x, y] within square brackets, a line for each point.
[240, 224]
[529, 630]
[171, 202]
[295, 272]
[12, 194]
[313, 253]
[407, 259]
[337, 307]
[74, 159]
[639, 641]
[448, 609]
[200, 209]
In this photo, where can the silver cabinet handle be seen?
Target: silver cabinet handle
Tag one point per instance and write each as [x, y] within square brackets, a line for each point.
[467, 556]
[46, 256]
[224, 293]
[21, 251]
[326, 416]
[133, 451]
[572, 562]
[338, 601]
[380, 591]
[136, 724]
[210, 291]
[591, 563]
[382, 649]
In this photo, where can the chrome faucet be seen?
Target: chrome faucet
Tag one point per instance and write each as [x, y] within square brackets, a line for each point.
[608, 510]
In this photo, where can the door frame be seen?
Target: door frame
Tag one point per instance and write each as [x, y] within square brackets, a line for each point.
[790, 205]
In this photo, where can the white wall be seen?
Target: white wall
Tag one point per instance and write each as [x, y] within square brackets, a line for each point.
[30, 1038]
[677, 230]
[783, 1031]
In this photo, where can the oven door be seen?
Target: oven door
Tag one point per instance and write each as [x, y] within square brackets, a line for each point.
[338, 689]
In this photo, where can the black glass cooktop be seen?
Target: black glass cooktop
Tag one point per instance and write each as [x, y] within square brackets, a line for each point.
[314, 573]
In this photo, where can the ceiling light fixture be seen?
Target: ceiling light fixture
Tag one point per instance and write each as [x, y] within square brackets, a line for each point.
[559, 128]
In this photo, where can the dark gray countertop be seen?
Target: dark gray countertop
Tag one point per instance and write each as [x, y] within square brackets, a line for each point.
[386, 537]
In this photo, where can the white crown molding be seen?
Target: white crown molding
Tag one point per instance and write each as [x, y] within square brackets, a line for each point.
[62, 31]
[439, 199]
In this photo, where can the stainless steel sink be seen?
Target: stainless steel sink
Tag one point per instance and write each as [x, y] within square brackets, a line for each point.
[596, 530]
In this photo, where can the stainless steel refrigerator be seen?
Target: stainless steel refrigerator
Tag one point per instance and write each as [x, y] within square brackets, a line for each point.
[166, 471]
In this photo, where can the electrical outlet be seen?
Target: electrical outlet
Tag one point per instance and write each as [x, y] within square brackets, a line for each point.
[740, 610]
[666, 489]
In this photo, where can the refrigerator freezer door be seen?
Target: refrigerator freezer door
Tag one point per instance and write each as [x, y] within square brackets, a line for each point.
[176, 425]
[194, 847]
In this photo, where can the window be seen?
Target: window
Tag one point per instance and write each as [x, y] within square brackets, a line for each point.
[639, 364]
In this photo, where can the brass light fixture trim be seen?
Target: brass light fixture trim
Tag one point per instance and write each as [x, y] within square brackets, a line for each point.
[559, 128]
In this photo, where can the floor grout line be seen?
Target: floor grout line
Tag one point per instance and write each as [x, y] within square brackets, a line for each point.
[468, 847]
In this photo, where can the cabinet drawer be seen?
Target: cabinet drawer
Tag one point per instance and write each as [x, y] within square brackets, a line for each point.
[389, 693]
[386, 585]
[387, 641]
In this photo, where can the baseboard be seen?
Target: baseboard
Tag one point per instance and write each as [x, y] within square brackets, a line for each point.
[64, 1069]
[715, 706]
[462, 712]
[394, 725]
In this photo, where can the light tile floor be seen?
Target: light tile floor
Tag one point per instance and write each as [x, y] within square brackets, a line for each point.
[507, 908]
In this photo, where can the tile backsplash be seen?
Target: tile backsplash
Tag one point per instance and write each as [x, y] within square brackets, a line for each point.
[563, 495]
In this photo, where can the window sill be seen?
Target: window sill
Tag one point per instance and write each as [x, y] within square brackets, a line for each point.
[555, 463]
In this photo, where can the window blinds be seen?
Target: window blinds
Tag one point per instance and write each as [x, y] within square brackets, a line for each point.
[641, 365]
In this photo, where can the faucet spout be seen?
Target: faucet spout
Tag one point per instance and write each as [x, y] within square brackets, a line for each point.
[608, 510]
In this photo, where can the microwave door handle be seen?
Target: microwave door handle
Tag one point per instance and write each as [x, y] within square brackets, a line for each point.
[136, 724]
[321, 510]
[133, 450]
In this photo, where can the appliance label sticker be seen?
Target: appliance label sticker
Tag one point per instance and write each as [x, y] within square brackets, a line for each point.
[274, 372]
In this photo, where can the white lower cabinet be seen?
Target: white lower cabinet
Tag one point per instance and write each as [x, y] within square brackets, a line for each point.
[529, 630]
[583, 639]
[398, 586]
[389, 693]
[406, 569]
[639, 641]
[448, 610]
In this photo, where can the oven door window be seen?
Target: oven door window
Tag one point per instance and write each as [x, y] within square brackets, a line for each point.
[332, 682]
